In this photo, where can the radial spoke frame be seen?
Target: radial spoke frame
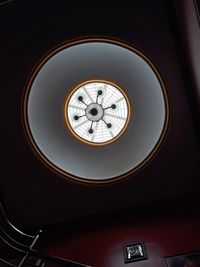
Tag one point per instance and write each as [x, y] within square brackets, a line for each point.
[97, 111]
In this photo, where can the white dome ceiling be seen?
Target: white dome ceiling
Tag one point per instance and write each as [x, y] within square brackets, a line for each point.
[95, 59]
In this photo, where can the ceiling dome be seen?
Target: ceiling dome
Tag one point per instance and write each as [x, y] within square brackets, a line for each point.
[96, 110]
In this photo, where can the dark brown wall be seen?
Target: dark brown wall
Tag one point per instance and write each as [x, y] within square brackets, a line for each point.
[187, 19]
[167, 228]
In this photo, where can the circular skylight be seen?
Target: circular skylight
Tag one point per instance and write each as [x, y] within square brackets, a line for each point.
[80, 97]
[97, 112]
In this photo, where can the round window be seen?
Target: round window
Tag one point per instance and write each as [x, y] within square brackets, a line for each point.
[97, 112]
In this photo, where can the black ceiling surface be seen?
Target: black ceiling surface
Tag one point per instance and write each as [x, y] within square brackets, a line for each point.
[33, 194]
[198, 4]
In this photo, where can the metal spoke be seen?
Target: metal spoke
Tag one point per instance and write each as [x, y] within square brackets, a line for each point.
[91, 131]
[89, 96]
[109, 125]
[76, 117]
[113, 106]
[97, 125]
[80, 124]
[111, 133]
[103, 98]
[84, 103]
[115, 116]
[121, 98]
[73, 106]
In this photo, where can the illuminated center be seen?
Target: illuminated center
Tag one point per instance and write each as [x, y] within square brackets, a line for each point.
[94, 112]
[97, 112]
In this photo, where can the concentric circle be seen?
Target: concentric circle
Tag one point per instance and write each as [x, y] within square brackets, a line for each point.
[59, 80]
[97, 112]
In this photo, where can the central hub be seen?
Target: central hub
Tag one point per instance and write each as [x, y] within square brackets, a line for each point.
[94, 112]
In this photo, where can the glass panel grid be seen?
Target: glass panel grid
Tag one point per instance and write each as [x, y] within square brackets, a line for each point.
[97, 112]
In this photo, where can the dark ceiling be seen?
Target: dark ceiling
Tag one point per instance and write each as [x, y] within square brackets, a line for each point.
[33, 194]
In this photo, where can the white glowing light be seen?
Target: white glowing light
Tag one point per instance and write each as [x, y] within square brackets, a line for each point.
[97, 112]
